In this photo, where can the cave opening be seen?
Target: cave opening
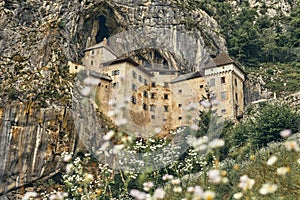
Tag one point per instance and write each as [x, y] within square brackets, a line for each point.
[102, 30]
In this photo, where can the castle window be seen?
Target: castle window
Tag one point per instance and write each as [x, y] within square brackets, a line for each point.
[133, 74]
[166, 108]
[166, 96]
[115, 84]
[201, 86]
[166, 84]
[236, 97]
[153, 95]
[76, 67]
[152, 116]
[140, 78]
[153, 84]
[152, 107]
[179, 118]
[133, 100]
[145, 82]
[145, 94]
[93, 52]
[235, 81]
[223, 111]
[92, 62]
[145, 107]
[164, 120]
[133, 87]
[223, 95]
[180, 105]
[179, 91]
[212, 82]
[115, 72]
[223, 80]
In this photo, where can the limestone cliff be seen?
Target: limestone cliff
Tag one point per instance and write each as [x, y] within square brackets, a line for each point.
[37, 38]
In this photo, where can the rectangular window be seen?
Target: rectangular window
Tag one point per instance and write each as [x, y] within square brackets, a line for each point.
[145, 94]
[166, 84]
[236, 97]
[235, 81]
[133, 74]
[133, 87]
[166, 96]
[140, 78]
[201, 86]
[212, 82]
[92, 62]
[223, 80]
[179, 91]
[153, 84]
[93, 52]
[152, 107]
[153, 95]
[164, 120]
[76, 67]
[179, 105]
[166, 108]
[223, 95]
[223, 111]
[133, 100]
[152, 116]
[115, 84]
[145, 107]
[179, 118]
[115, 72]
[145, 82]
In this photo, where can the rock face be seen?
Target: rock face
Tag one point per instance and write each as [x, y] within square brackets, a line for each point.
[37, 38]
[31, 143]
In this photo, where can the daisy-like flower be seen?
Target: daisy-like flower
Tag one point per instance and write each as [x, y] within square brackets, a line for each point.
[88, 178]
[177, 189]
[272, 160]
[108, 135]
[148, 185]
[167, 177]
[138, 194]
[159, 193]
[175, 181]
[283, 170]
[292, 146]
[285, 133]
[267, 188]
[246, 183]
[214, 176]
[209, 195]
[238, 195]
[29, 195]
[69, 168]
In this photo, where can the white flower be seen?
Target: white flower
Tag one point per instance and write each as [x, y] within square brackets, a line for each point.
[283, 170]
[175, 181]
[88, 178]
[67, 158]
[118, 148]
[138, 194]
[272, 160]
[238, 195]
[292, 146]
[209, 195]
[167, 177]
[159, 193]
[108, 135]
[246, 183]
[91, 81]
[285, 133]
[86, 91]
[190, 189]
[214, 176]
[58, 196]
[177, 189]
[216, 143]
[148, 186]
[267, 188]
[198, 192]
[29, 195]
[69, 168]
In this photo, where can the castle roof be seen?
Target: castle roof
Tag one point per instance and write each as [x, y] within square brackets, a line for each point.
[102, 44]
[185, 77]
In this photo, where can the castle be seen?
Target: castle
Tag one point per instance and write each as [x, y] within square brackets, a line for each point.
[150, 99]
